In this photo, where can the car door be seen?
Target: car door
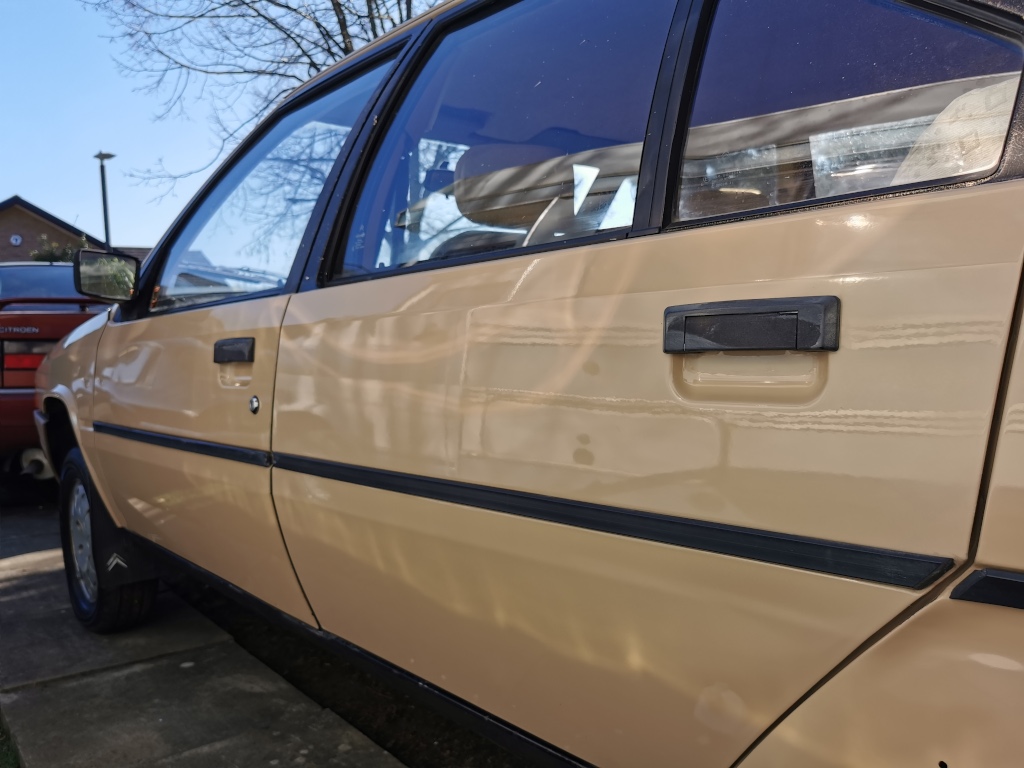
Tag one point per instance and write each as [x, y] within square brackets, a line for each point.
[183, 390]
[637, 489]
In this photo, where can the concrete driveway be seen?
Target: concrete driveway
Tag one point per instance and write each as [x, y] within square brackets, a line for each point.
[177, 692]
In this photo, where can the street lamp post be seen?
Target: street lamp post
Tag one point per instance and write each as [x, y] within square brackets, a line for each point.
[101, 156]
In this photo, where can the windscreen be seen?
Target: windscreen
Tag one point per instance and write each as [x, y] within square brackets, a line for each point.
[45, 281]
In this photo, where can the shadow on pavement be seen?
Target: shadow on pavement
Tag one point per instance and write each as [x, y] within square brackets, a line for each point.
[176, 692]
[48, 658]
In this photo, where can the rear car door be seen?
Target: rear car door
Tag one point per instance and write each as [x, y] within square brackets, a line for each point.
[518, 454]
[183, 389]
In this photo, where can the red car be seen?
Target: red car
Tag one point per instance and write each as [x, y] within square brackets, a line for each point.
[38, 306]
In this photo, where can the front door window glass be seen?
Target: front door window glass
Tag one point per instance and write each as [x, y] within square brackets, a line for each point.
[245, 236]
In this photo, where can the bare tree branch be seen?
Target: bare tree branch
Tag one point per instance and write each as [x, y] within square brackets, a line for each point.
[237, 57]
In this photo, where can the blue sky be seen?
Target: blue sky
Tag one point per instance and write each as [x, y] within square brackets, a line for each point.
[62, 99]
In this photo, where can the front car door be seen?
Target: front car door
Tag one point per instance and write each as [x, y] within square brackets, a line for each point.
[182, 408]
[641, 553]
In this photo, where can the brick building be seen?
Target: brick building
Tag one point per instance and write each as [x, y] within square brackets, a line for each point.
[22, 224]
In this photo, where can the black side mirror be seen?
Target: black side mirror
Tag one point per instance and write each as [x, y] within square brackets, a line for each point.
[110, 276]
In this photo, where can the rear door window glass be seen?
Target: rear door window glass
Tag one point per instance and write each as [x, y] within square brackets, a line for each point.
[523, 128]
[806, 99]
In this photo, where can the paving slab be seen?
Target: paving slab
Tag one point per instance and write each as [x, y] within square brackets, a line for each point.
[32, 584]
[178, 692]
[27, 529]
[211, 706]
[40, 645]
[318, 743]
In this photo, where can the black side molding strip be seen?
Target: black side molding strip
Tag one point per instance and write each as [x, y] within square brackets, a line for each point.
[993, 587]
[882, 566]
[217, 450]
[538, 752]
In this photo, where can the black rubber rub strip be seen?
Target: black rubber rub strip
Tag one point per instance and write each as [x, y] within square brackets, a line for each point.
[883, 566]
[993, 587]
[218, 450]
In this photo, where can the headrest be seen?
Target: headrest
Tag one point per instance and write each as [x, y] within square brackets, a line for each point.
[488, 158]
[510, 185]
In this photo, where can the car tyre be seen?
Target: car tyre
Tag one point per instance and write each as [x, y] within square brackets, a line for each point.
[100, 606]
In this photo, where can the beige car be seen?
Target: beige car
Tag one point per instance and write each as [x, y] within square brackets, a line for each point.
[643, 379]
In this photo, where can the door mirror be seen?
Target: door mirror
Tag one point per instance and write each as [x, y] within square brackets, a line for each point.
[104, 275]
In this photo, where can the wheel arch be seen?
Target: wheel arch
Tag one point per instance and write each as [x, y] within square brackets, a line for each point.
[62, 432]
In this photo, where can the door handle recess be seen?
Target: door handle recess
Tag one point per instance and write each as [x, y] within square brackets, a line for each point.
[806, 323]
[240, 350]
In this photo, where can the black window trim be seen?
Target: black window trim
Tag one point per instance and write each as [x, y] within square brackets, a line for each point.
[605, 236]
[1001, 21]
[343, 192]
[139, 307]
[661, 129]
[675, 87]
[364, 149]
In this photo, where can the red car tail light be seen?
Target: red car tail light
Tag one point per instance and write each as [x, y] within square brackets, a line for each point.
[22, 356]
[22, 362]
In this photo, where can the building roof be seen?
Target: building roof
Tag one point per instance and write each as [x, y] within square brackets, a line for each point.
[140, 253]
[18, 202]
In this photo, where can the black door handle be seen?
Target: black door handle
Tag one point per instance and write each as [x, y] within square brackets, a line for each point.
[240, 350]
[807, 323]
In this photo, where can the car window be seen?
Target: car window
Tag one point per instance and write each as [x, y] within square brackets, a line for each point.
[245, 236]
[805, 99]
[524, 128]
[44, 281]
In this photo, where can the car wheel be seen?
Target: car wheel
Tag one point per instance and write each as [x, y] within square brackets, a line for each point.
[98, 605]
